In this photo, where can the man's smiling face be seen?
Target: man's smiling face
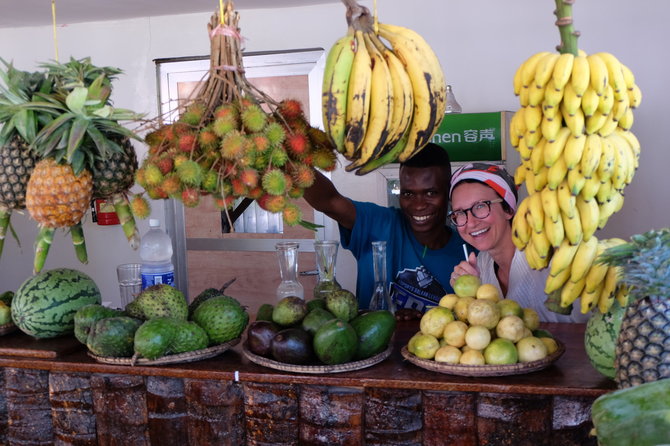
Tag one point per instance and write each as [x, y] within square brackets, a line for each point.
[424, 195]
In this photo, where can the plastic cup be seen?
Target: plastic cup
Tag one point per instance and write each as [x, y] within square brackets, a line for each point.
[130, 281]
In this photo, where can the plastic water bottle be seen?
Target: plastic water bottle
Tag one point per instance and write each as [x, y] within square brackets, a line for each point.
[156, 256]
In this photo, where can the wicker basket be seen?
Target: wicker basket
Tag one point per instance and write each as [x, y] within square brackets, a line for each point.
[196, 355]
[321, 368]
[519, 368]
[8, 328]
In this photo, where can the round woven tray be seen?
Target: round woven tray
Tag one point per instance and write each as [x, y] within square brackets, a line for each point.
[484, 370]
[196, 355]
[321, 368]
[8, 328]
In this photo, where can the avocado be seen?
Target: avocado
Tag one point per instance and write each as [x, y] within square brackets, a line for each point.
[293, 346]
[335, 342]
[113, 336]
[259, 337]
[88, 315]
[154, 337]
[265, 312]
[315, 319]
[374, 330]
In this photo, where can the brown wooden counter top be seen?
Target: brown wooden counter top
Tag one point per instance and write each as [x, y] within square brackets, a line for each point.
[70, 399]
[572, 374]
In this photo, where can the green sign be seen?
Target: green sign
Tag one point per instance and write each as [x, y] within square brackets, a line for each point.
[473, 136]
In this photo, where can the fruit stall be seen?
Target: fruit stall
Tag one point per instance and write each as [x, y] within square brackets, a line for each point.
[56, 393]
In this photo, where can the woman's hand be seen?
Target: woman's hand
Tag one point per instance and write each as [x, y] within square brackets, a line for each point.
[469, 267]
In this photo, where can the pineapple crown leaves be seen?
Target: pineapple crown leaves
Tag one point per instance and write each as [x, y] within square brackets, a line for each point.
[17, 88]
[79, 73]
[645, 261]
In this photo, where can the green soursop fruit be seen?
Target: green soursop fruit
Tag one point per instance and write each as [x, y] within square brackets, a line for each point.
[222, 317]
[113, 336]
[342, 304]
[154, 337]
[88, 315]
[189, 336]
[289, 311]
[162, 301]
[133, 310]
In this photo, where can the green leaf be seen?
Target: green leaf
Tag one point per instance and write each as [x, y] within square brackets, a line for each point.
[61, 122]
[77, 162]
[103, 112]
[77, 133]
[76, 99]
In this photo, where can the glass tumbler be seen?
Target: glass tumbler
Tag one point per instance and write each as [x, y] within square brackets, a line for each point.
[287, 255]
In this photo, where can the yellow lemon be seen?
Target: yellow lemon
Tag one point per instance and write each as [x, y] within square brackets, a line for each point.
[483, 312]
[551, 345]
[461, 308]
[449, 300]
[448, 354]
[473, 357]
[454, 333]
[511, 327]
[488, 291]
[466, 285]
[501, 351]
[412, 341]
[425, 346]
[477, 337]
[434, 320]
[531, 349]
[531, 318]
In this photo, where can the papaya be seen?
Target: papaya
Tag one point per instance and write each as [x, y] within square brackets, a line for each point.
[335, 342]
[638, 415]
[374, 330]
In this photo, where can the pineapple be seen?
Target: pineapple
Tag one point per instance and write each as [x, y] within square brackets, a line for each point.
[643, 346]
[115, 174]
[16, 165]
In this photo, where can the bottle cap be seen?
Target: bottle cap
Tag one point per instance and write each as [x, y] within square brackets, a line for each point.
[154, 223]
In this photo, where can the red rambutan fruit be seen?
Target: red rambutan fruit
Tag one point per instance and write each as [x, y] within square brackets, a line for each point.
[187, 142]
[156, 193]
[303, 175]
[190, 197]
[223, 125]
[275, 133]
[324, 159]
[140, 206]
[274, 182]
[254, 118]
[297, 145]
[249, 177]
[140, 177]
[255, 193]
[152, 174]
[227, 110]
[261, 142]
[165, 164]
[190, 173]
[295, 192]
[207, 139]
[272, 203]
[233, 145]
[290, 108]
[179, 159]
[222, 203]
[278, 157]
[210, 181]
[171, 185]
[291, 214]
[239, 189]
[193, 114]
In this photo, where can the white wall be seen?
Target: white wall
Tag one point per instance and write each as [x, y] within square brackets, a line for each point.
[479, 42]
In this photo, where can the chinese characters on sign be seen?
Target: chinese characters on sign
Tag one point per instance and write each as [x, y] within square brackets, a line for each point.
[473, 136]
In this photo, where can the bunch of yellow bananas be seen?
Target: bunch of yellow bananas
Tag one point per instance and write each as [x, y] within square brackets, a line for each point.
[381, 103]
[577, 155]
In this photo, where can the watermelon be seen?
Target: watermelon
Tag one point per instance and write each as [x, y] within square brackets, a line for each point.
[600, 339]
[45, 304]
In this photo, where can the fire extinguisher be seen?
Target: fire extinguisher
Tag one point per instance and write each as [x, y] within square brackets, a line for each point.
[103, 212]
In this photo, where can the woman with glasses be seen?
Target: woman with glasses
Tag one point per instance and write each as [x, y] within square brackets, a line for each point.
[483, 201]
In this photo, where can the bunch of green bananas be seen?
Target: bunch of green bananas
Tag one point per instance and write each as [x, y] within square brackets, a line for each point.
[381, 103]
[577, 155]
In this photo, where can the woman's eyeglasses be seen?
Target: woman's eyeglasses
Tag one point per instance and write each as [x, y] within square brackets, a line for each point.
[481, 209]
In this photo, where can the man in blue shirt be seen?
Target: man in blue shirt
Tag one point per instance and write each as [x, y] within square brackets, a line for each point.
[421, 249]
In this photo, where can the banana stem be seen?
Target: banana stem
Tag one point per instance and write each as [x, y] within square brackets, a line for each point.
[122, 209]
[42, 245]
[77, 234]
[567, 31]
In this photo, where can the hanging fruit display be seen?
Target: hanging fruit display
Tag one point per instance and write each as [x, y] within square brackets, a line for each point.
[577, 155]
[233, 141]
[62, 145]
[384, 92]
